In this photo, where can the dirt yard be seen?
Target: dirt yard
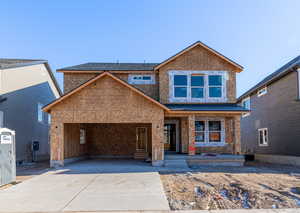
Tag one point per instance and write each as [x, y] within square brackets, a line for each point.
[253, 186]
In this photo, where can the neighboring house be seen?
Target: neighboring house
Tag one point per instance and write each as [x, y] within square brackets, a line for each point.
[273, 125]
[186, 104]
[25, 87]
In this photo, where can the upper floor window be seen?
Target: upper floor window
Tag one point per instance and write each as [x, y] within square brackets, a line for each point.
[215, 86]
[40, 112]
[180, 86]
[246, 104]
[262, 91]
[197, 86]
[141, 79]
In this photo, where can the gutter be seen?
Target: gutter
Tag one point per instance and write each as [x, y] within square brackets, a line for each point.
[291, 68]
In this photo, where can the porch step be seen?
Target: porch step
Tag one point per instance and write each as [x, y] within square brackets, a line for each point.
[140, 155]
[176, 163]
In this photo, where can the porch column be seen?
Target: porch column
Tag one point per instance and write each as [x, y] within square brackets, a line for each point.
[158, 143]
[191, 134]
[237, 134]
[56, 144]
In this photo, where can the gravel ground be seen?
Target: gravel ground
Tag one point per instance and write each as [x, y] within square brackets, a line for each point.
[258, 186]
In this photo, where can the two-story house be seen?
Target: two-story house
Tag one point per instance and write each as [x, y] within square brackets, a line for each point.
[26, 85]
[185, 104]
[272, 129]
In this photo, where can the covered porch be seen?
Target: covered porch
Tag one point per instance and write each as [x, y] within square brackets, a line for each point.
[199, 133]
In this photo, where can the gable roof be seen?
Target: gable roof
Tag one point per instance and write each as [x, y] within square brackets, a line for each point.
[48, 107]
[92, 66]
[8, 63]
[199, 43]
[278, 74]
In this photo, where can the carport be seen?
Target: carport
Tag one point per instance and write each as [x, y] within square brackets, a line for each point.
[106, 117]
[107, 140]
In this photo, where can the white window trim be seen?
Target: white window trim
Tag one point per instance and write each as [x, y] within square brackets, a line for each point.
[265, 137]
[206, 133]
[131, 79]
[260, 93]
[206, 98]
[244, 100]
[40, 113]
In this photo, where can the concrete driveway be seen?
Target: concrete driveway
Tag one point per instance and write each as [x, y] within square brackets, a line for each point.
[89, 186]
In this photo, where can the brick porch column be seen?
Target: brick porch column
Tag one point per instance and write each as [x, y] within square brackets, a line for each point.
[158, 143]
[191, 134]
[57, 144]
[237, 134]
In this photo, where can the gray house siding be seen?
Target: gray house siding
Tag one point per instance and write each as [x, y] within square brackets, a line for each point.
[20, 112]
[279, 111]
[22, 87]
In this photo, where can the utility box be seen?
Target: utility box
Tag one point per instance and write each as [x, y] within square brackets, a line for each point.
[7, 156]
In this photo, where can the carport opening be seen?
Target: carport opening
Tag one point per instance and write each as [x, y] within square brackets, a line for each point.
[108, 140]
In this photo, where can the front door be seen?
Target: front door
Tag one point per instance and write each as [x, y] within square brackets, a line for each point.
[170, 137]
[141, 139]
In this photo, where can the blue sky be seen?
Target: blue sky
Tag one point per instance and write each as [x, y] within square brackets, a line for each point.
[261, 35]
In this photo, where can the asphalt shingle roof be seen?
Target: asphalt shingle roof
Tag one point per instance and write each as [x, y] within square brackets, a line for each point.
[11, 62]
[282, 71]
[206, 107]
[112, 66]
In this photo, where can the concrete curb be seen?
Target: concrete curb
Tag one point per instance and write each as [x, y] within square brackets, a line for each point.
[297, 210]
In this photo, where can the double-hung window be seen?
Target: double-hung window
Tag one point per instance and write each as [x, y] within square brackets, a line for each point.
[197, 86]
[263, 137]
[214, 128]
[215, 86]
[209, 133]
[180, 86]
[200, 131]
